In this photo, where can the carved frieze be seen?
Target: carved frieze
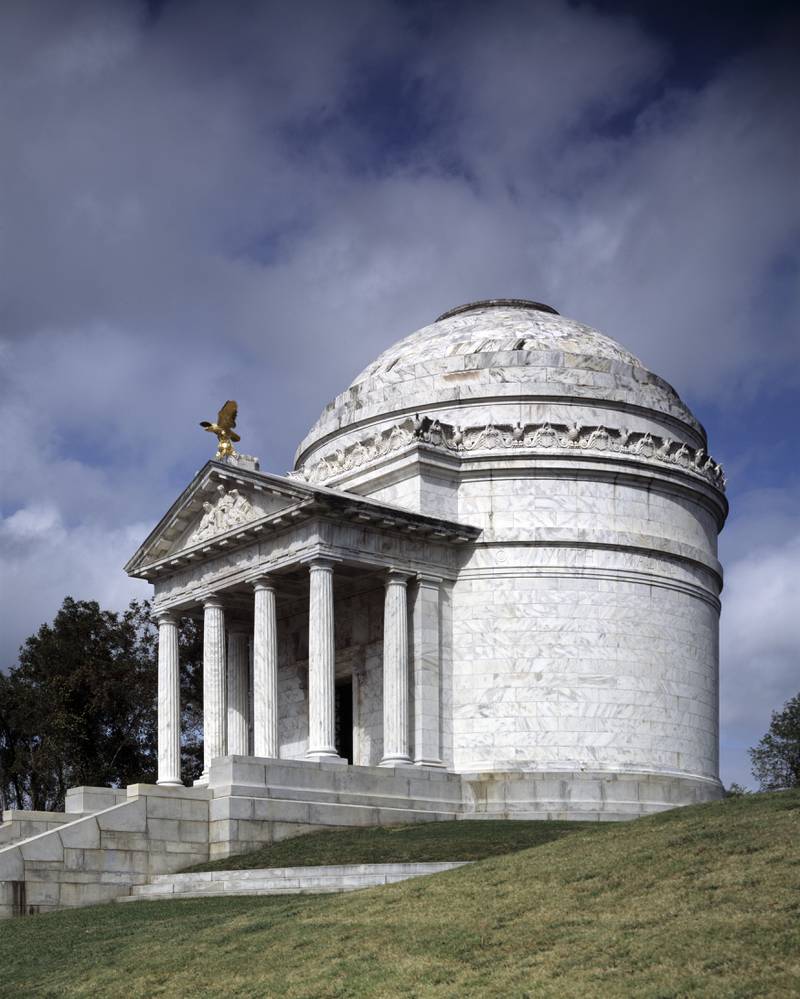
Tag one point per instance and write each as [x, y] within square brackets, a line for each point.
[532, 437]
[230, 509]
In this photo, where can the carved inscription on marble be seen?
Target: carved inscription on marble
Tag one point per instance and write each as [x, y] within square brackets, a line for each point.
[530, 437]
[230, 509]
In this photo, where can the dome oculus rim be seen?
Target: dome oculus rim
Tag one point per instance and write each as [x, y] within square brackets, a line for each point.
[498, 303]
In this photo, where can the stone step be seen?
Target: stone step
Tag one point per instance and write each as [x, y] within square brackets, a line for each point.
[283, 880]
[219, 893]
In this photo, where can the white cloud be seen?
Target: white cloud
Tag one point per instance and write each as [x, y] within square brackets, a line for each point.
[759, 635]
[43, 562]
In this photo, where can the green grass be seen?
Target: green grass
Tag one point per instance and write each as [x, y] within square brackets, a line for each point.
[403, 844]
[703, 901]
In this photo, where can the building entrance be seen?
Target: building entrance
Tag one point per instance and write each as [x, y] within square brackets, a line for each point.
[343, 724]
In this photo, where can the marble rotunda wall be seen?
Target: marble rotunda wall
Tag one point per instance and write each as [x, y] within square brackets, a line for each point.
[585, 625]
[582, 667]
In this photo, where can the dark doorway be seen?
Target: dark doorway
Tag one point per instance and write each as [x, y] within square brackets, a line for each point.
[343, 725]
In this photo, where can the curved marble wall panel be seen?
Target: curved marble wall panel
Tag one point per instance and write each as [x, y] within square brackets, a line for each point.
[583, 671]
[514, 508]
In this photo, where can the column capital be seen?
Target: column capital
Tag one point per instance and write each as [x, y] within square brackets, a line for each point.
[264, 582]
[213, 600]
[167, 617]
[426, 579]
[398, 576]
[320, 563]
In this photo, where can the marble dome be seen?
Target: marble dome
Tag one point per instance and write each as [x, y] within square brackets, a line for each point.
[498, 348]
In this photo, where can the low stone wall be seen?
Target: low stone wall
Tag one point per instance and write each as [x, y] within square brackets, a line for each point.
[18, 824]
[95, 858]
[89, 800]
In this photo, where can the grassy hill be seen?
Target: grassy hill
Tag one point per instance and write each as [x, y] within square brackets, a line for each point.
[703, 901]
[428, 841]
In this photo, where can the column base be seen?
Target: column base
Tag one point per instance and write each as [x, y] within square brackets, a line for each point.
[323, 757]
[396, 761]
[170, 783]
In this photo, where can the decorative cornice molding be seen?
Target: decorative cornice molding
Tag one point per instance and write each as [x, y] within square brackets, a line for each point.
[528, 437]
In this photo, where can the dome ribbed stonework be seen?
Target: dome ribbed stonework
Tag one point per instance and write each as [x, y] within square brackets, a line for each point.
[499, 348]
[496, 329]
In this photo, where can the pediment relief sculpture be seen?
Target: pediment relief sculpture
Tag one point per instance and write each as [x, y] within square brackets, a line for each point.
[230, 509]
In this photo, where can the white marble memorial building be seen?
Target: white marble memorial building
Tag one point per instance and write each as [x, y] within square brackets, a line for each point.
[489, 588]
[496, 555]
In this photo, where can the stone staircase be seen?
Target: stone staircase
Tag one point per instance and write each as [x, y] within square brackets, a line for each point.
[281, 880]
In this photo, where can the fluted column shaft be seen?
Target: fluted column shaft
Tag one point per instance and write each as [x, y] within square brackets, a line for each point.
[395, 672]
[238, 668]
[169, 702]
[214, 741]
[426, 664]
[250, 689]
[265, 671]
[321, 663]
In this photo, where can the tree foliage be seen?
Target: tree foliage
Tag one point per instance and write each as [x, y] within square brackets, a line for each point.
[79, 708]
[776, 759]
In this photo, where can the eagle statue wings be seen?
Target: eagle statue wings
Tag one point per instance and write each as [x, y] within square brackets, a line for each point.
[223, 428]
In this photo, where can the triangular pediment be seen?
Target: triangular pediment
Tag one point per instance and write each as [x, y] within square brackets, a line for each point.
[215, 504]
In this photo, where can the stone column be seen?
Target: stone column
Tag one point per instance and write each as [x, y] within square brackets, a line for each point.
[395, 671]
[238, 668]
[426, 657]
[265, 671]
[250, 688]
[321, 663]
[214, 741]
[169, 702]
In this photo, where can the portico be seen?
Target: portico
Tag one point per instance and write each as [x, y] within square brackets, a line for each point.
[304, 589]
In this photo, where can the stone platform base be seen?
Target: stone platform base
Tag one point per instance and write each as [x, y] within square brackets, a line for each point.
[110, 841]
[256, 802]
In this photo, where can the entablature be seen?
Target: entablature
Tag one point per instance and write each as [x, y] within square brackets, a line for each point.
[271, 521]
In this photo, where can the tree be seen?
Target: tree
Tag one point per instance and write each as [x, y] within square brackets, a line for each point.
[80, 705]
[736, 791]
[776, 759]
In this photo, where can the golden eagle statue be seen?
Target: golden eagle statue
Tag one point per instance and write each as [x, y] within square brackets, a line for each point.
[223, 428]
